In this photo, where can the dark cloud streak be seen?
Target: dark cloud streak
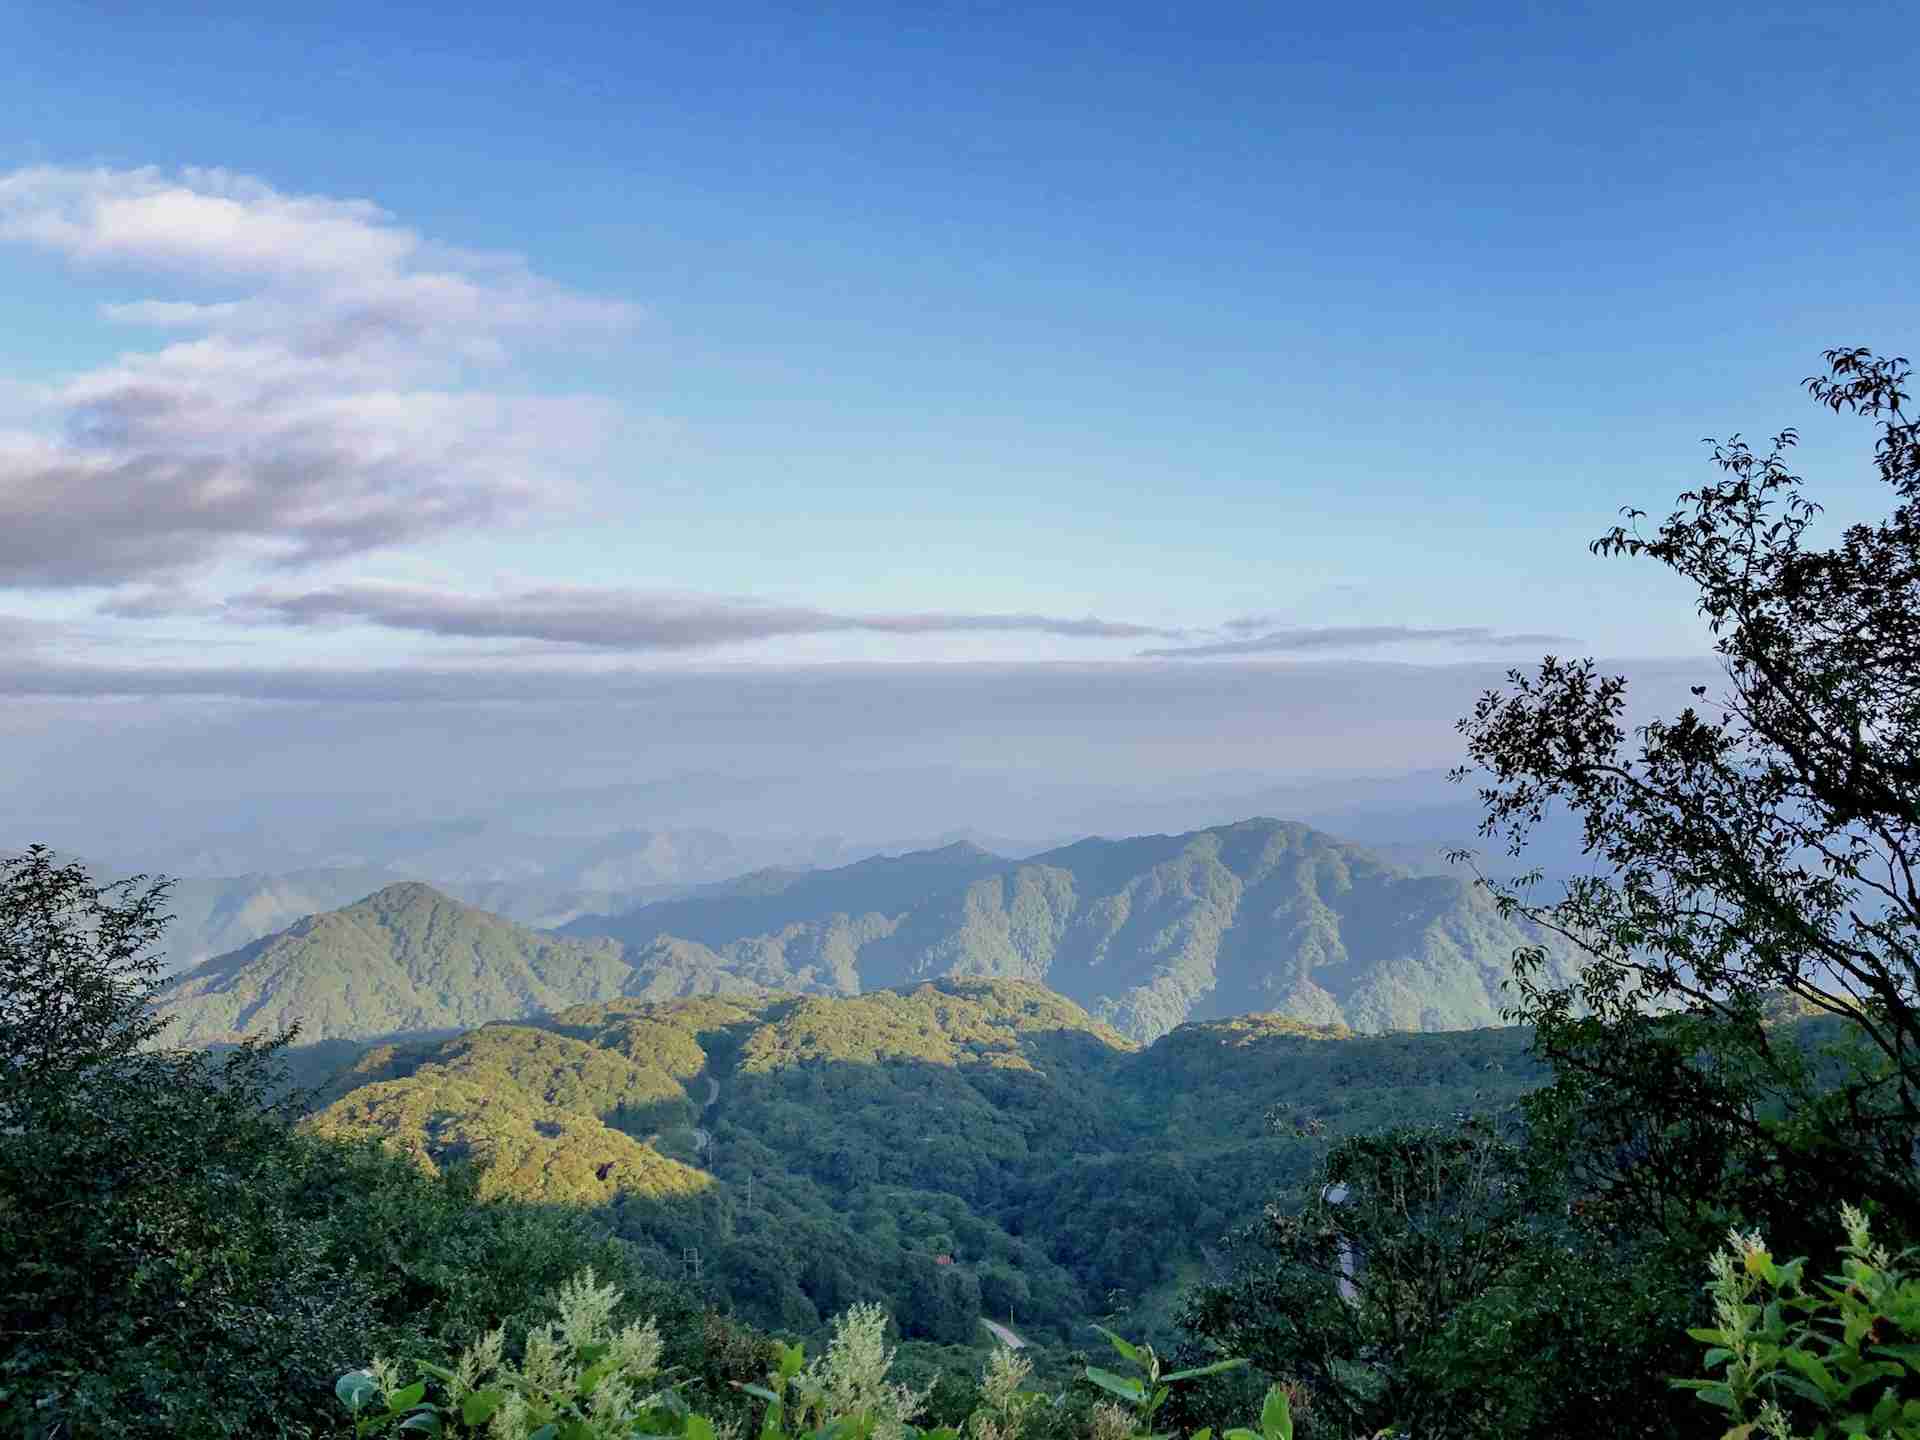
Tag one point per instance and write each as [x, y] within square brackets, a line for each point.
[631, 621]
[1309, 640]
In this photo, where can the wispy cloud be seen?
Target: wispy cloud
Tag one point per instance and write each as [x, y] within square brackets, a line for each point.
[322, 411]
[630, 620]
[1321, 639]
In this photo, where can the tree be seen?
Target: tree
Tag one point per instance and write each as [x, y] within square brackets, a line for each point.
[1433, 1281]
[1756, 854]
[176, 1259]
[77, 972]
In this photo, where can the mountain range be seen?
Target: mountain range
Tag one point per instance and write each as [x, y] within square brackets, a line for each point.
[1263, 915]
[1145, 933]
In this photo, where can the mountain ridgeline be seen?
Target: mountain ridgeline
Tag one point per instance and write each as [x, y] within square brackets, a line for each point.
[1145, 933]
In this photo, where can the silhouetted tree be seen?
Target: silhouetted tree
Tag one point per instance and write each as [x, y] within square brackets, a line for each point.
[1756, 854]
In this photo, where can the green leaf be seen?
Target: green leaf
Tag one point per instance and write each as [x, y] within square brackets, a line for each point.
[479, 1406]
[699, 1427]
[422, 1422]
[408, 1398]
[1131, 1351]
[1125, 1386]
[759, 1392]
[1218, 1367]
[1276, 1414]
[355, 1389]
[548, 1431]
[1810, 1366]
[1803, 1389]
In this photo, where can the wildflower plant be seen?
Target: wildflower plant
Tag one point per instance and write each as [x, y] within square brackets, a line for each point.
[845, 1393]
[1803, 1360]
[1148, 1390]
[579, 1378]
[1003, 1404]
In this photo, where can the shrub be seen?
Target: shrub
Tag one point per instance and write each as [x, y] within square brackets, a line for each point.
[1814, 1359]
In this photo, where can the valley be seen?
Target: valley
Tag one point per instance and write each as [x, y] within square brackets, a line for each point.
[958, 1149]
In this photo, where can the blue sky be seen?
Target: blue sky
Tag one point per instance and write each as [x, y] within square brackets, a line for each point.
[846, 334]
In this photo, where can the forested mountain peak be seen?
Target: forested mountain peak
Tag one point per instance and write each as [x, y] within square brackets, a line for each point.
[403, 960]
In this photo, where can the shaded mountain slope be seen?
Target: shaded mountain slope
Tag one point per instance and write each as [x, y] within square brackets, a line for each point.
[213, 916]
[1145, 933]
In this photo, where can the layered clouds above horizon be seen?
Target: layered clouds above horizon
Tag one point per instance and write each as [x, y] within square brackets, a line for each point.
[315, 396]
[326, 476]
[574, 406]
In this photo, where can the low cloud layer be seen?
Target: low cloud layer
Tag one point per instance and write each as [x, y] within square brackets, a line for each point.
[1322, 639]
[857, 750]
[630, 620]
[319, 408]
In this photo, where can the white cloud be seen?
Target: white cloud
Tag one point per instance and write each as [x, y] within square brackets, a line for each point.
[317, 413]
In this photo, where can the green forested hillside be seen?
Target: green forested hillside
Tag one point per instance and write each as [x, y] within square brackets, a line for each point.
[405, 959]
[799, 1153]
[1146, 933]
[215, 915]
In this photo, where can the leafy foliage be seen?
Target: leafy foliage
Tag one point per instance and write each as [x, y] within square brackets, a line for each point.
[1762, 853]
[1801, 1358]
[1434, 1280]
[176, 1259]
[580, 1378]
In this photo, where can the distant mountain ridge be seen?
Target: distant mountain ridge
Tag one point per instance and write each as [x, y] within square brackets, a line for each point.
[1145, 933]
